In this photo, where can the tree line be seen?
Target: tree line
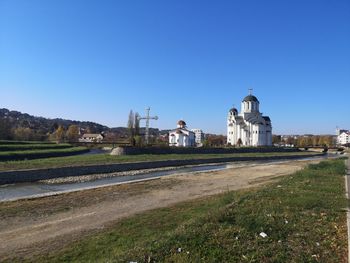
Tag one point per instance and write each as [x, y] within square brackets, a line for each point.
[59, 133]
[15, 125]
[305, 140]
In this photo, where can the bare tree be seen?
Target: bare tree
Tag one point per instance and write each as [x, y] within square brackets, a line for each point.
[137, 124]
[131, 127]
[60, 134]
[72, 133]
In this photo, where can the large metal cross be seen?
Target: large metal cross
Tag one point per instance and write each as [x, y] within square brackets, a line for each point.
[250, 91]
[147, 118]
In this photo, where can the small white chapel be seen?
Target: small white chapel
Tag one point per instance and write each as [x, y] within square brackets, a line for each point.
[181, 136]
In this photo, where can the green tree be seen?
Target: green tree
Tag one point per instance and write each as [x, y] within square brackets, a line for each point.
[206, 143]
[72, 133]
[5, 130]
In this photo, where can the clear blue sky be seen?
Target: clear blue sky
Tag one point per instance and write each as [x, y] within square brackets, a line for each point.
[96, 60]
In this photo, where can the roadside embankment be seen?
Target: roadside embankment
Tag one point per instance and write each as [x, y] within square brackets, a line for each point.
[32, 175]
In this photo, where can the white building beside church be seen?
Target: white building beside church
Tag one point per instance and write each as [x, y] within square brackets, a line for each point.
[343, 136]
[249, 127]
[199, 137]
[181, 137]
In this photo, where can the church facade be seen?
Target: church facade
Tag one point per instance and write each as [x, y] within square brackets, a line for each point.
[249, 127]
[181, 136]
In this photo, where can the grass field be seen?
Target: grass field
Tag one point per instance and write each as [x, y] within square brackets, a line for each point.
[303, 216]
[33, 146]
[109, 159]
[12, 150]
[2, 142]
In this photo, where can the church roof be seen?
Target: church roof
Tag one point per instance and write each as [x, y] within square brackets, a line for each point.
[266, 118]
[250, 98]
[178, 131]
[92, 135]
[239, 118]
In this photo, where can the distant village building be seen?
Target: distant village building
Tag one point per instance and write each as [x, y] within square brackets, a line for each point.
[92, 137]
[343, 136]
[199, 137]
[249, 127]
[181, 136]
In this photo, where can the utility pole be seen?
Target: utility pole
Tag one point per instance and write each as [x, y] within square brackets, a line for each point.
[147, 118]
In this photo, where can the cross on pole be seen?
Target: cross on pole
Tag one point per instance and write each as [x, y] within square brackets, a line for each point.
[147, 118]
[250, 91]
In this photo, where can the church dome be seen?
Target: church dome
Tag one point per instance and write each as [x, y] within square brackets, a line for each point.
[234, 110]
[251, 98]
[181, 123]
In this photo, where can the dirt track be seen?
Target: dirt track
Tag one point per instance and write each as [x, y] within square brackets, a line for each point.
[29, 227]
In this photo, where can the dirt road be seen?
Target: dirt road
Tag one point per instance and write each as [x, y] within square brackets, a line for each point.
[28, 227]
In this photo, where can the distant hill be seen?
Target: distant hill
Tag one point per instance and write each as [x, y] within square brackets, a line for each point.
[17, 119]
[41, 127]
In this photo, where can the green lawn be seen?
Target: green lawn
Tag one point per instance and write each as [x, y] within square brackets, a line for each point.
[108, 159]
[26, 150]
[12, 156]
[2, 142]
[303, 216]
[33, 146]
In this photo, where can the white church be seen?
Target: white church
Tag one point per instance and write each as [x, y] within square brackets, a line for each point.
[249, 127]
[181, 136]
